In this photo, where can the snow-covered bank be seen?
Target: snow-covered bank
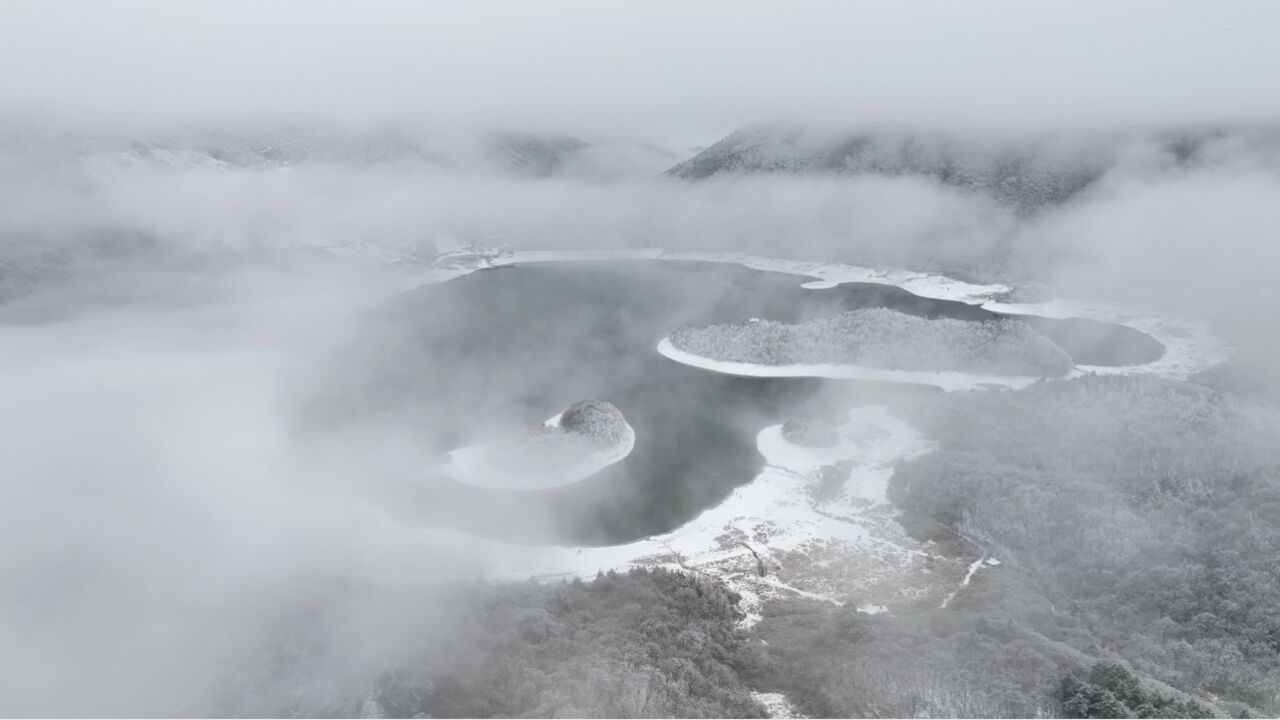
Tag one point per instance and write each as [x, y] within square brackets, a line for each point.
[777, 705]
[1190, 347]
[824, 275]
[572, 445]
[804, 527]
[949, 380]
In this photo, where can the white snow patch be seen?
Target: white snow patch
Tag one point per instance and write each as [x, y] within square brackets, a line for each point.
[484, 466]
[947, 380]
[968, 576]
[776, 704]
[537, 461]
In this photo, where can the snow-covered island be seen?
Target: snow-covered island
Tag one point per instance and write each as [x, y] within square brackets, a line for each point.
[586, 437]
[885, 339]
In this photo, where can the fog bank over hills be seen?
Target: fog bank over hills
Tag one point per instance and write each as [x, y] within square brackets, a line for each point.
[1098, 211]
[264, 146]
[228, 398]
[1025, 171]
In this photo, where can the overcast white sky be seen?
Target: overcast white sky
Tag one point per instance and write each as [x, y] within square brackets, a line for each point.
[641, 68]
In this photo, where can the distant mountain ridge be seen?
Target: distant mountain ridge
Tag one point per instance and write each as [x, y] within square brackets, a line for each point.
[516, 153]
[1027, 173]
[524, 154]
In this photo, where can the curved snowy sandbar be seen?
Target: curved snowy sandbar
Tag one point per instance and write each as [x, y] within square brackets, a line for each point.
[947, 380]
[571, 446]
[1189, 347]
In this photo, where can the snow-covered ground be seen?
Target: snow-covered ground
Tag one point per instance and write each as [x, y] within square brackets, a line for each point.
[777, 705]
[802, 528]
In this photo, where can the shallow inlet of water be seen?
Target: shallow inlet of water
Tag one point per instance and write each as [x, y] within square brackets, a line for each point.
[484, 353]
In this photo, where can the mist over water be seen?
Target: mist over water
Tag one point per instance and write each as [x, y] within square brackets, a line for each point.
[588, 331]
[219, 385]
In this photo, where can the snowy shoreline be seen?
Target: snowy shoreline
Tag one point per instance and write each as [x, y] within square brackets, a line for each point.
[1189, 346]
[947, 380]
[778, 535]
[786, 533]
[844, 545]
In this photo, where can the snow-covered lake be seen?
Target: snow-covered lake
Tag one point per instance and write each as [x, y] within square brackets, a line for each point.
[488, 354]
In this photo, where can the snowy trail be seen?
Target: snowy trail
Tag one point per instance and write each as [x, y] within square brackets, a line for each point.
[968, 576]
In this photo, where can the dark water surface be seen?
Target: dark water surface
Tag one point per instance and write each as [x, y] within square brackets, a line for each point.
[493, 351]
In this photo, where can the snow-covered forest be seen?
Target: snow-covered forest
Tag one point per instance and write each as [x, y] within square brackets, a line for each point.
[883, 338]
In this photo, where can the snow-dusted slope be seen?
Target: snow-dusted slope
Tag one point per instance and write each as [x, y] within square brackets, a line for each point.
[1027, 173]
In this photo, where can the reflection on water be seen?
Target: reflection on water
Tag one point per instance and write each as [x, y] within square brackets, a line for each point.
[475, 356]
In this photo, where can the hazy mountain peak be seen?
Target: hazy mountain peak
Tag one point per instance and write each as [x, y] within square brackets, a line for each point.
[1026, 172]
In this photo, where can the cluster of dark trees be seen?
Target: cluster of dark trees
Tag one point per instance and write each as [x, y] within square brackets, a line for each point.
[1111, 691]
[640, 644]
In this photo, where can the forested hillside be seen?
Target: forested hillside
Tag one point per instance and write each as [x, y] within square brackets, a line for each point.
[1147, 510]
[641, 644]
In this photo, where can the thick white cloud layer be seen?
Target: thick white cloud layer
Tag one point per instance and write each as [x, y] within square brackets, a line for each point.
[154, 486]
[692, 70]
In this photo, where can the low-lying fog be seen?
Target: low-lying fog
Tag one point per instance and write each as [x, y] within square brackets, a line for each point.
[161, 323]
[165, 325]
